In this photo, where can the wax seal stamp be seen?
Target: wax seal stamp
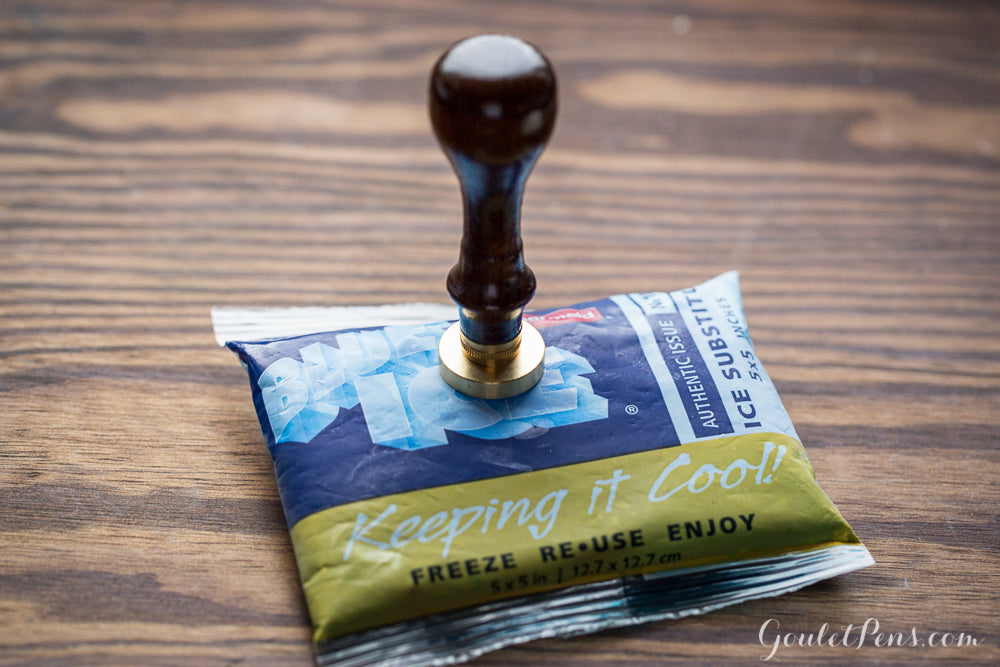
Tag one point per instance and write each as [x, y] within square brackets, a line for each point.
[493, 107]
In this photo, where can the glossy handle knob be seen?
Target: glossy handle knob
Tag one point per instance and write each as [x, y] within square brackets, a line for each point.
[493, 107]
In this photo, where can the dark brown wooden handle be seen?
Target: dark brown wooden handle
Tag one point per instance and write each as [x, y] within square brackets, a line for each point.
[493, 107]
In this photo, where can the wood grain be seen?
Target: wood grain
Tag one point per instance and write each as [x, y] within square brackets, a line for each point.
[159, 158]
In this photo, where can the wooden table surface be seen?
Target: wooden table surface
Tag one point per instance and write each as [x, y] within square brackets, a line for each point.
[158, 158]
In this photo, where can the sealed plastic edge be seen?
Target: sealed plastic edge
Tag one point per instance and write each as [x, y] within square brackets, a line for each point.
[257, 324]
[465, 634]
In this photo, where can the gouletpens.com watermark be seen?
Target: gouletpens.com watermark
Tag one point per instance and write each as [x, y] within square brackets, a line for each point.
[869, 634]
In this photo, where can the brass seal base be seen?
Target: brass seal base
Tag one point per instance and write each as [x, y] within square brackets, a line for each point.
[492, 371]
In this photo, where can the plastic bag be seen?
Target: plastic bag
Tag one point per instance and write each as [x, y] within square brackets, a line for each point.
[652, 473]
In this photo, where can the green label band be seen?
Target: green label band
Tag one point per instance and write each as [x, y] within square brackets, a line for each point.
[388, 559]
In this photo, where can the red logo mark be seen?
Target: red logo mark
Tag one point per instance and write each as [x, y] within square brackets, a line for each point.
[563, 316]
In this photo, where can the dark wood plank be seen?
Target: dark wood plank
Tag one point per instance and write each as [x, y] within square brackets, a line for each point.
[159, 158]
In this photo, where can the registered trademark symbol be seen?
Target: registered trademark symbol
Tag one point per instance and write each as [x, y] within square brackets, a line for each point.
[631, 409]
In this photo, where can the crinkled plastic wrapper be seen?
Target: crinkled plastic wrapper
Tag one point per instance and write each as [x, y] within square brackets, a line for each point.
[652, 473]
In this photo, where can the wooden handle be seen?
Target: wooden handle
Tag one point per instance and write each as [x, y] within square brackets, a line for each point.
[493, 107]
